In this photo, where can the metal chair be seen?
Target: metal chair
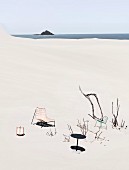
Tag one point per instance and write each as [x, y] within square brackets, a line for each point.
[101, 123]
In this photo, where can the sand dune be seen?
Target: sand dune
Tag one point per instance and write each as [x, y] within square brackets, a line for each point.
[47, 73]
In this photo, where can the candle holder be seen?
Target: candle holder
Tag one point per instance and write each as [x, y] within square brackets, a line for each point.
[20, 131]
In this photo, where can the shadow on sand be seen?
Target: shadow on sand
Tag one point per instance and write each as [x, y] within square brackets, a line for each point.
[44, 124]
[76, 148]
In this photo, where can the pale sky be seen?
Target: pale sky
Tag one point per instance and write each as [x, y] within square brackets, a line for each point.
[65, 16]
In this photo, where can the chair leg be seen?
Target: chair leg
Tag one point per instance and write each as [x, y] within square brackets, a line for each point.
[100, 124]
[95, 124]
[105, 126]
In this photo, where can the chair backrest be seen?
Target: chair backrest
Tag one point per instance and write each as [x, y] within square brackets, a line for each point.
[40, 113]
[105, 118]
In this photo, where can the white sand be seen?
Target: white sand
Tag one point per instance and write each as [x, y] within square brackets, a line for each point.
[47, 73]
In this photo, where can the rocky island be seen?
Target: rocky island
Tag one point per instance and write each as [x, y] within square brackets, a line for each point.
[47, 33]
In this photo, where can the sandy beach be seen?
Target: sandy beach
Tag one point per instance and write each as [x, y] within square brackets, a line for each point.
[47, 73]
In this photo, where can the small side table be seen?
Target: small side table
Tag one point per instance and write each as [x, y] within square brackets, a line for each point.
[78, 136]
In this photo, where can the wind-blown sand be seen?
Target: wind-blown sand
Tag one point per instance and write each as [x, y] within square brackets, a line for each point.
[47, 73]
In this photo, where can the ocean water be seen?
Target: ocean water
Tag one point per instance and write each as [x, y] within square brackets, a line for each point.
[76, 36]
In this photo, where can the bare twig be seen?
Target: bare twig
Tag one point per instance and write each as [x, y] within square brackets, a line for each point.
[122, 123]
[114, 120]
[83, 127]
[66, 138]
[97, 135]
[70, 128]
[51, 133]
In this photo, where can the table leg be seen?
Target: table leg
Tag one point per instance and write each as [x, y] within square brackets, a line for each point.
[77, 145]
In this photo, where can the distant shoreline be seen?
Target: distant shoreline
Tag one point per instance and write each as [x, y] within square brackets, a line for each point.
[121, 36]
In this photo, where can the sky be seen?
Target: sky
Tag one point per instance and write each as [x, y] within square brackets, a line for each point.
[64, 16]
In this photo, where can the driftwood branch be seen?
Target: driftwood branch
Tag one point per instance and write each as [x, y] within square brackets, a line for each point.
[92, 105]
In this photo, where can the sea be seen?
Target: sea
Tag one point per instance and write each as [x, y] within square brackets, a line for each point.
[76, 36]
